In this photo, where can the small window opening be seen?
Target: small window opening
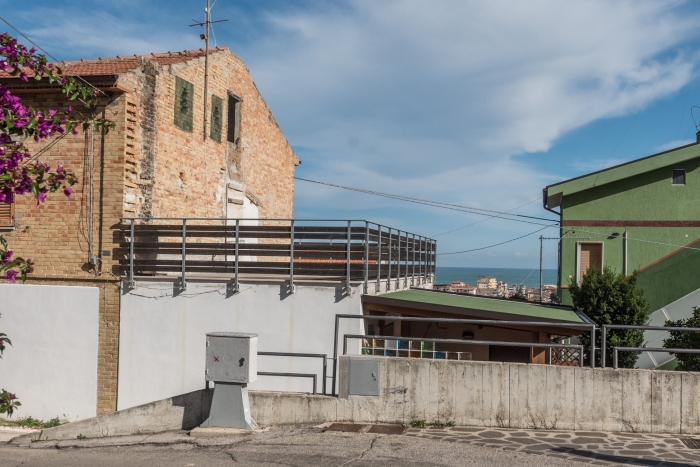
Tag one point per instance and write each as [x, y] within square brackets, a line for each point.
[678, 177]
[233, 132]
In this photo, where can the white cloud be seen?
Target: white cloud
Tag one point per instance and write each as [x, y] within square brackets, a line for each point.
[673, 144]
[432, 99]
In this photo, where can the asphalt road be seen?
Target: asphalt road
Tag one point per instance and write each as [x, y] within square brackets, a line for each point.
[293, 447]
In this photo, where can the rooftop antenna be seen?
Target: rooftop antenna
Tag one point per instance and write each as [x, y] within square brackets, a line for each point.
[697, 127]
[205, 37]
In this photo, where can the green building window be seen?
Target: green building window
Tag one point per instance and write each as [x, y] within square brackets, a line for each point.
[678, 177]
[184, 93]
[217, 110]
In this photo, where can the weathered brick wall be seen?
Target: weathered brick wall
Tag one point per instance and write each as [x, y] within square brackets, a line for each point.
[186, 175]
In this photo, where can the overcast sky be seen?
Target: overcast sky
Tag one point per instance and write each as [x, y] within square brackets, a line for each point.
[480, 103]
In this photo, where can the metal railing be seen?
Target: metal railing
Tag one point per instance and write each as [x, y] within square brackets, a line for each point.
[465, 342]
[291, 375]
[322, 356]
[488, 322]
[604, 335]
[648, 349]
[345, 250]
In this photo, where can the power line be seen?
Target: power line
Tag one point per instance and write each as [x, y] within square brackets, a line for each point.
[496, 244]
[483, 220]
[636, 239]
[438, 204]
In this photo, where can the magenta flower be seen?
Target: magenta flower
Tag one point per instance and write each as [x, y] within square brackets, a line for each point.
[68, 191]
[11, 275]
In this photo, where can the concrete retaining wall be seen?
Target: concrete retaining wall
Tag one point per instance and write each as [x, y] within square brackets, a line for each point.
[513, 395]
[52, 363]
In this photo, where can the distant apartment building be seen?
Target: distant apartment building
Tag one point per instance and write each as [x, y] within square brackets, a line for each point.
[456, 287]
[487, 283]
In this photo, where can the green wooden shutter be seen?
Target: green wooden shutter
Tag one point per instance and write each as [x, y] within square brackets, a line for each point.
[217, 111]
[184, 95]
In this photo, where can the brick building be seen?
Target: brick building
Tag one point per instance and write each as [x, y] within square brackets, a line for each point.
[161, 160]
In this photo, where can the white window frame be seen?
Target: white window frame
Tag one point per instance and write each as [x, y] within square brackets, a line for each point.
[578, 258]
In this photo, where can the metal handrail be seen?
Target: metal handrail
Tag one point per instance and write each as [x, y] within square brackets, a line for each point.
[605, 327]
[291, 375]
[648, 349]
[426, 259]
[322, 356]
[489, 322]
[464, 342]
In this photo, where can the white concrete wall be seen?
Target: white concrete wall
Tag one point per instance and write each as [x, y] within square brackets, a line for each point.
[516, 395]
[52, 364]
[162, 334]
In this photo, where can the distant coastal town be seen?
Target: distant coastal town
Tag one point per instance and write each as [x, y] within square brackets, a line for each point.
[492, 287]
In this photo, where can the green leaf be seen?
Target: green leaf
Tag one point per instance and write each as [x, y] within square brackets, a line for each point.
[35, 189]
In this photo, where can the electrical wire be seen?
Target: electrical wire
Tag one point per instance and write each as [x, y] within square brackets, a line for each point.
[497, 244]
[438, 204]
[484, 220]
[684, 247]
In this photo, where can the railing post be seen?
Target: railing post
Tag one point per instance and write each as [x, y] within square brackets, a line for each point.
[398, 260]
[235, 285]
[292, 289]
[405, 272]
[132, 283]
[366, 257]
[348, 286]
[413, 262]
[183, 284]
[615, 358]
[420, 261]
[603, 345]
[379, 261]
[335, 354]
[593, 346]
[388, 270]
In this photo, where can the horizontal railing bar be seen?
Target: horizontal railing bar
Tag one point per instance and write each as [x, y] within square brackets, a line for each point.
[468, 321]
[649, 328]
[294, 354]
[466, 342]
[292, 375]
[656, 349]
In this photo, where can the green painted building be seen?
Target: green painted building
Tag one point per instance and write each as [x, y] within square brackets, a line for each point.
[640, 216]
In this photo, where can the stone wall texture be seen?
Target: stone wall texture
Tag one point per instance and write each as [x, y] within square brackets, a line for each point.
[146, 167]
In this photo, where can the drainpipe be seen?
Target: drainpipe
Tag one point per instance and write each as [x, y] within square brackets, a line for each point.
[624, 254]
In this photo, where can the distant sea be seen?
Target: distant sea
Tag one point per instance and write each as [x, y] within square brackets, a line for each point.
[526, 277]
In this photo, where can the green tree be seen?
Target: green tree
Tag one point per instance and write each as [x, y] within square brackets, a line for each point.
[610, 298]
[685, 340]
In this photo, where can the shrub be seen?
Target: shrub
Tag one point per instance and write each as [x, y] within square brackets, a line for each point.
[610, 298]
[685, 340]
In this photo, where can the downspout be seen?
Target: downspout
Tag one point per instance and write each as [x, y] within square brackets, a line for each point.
[561, 234]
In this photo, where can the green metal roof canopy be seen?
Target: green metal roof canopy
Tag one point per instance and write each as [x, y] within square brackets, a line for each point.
[491, 308]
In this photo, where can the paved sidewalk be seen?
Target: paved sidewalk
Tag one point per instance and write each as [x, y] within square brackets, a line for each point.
[311, 446]
[598, 448]
[290, 446]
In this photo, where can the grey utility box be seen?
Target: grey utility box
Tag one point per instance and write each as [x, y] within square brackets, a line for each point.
[232, 357]
[363, 377]
[232, 363]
